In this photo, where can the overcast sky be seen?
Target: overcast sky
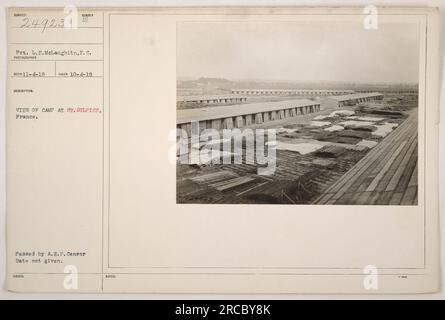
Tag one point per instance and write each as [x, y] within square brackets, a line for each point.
[291, 51]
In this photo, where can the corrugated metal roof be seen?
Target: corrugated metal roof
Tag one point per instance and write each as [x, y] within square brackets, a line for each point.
[200, 114]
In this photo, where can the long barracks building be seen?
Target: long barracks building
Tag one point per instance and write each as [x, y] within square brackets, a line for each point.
[211, 99]
[290, 92]
[350, 99]
[242, 115]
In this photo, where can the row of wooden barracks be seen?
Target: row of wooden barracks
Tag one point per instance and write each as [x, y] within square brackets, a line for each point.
[246, 114]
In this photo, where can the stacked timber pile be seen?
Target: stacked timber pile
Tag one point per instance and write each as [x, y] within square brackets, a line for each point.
[330, 151]
[354, 134]
[283, 192]
[360, 128]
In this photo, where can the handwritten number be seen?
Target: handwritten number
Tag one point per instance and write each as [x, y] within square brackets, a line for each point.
[45, 23]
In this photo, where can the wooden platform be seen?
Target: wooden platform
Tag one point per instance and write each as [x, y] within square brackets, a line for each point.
[387, 175]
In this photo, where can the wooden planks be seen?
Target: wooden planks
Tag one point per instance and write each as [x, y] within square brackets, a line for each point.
[387, 175]
[213, 176]
[232, 183]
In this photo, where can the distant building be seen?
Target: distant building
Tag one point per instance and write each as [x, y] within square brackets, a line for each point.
[350, 99]
[181, 91]
[291, 92]
[210, 99]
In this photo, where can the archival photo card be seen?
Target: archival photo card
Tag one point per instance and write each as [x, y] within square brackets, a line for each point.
[254, 150]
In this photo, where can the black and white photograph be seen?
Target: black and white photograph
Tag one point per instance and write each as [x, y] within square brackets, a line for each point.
[276, 112]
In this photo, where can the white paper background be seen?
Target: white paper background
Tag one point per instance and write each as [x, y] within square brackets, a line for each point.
[121, 3]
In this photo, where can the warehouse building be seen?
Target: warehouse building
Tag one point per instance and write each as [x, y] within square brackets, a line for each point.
[290, 92]
[210, 99]
[242, 115]
[350, 99]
